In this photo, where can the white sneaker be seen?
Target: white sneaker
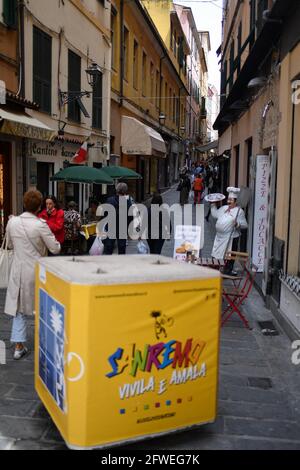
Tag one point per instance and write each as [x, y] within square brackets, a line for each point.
[18, 354]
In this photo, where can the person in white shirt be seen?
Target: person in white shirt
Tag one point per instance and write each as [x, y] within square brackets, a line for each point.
[230, 221]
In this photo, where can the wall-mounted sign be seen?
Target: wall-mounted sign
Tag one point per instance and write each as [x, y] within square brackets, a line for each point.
[261, 211]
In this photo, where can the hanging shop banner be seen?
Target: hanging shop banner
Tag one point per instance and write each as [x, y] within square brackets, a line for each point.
[187, 240]
[260, 224]
[117, 363]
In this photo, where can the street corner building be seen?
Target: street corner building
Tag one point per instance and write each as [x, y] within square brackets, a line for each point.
[259, 141]
[55, 60]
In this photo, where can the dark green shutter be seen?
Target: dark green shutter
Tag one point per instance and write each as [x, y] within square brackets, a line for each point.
[97, 103]
[10, 13]
[74, 84]
[42, 69]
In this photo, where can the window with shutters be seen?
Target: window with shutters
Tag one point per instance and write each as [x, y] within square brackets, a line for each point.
[157, 88]
[10, 13]
[42, 69]
[126, 51]
[231, 76]
[74, 85]
[135, 64]
[97, 102]
[239, 40]
[144, 74]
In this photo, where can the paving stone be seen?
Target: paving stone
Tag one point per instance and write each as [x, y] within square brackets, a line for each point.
[255, 395]
[36, 445]
[262, 444]
[251, 410]
[22, 428]
[5, 388]
[262, 428]
[233, 380]
[10, 407]
[6, 444]
[25, 392]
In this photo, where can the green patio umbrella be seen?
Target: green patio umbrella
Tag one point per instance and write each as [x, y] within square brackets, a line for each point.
[83, 174]
[121, 172]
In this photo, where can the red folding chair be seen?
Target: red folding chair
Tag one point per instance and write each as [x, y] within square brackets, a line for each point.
[236, 296]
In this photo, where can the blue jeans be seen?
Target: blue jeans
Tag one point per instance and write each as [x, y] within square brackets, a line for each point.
[19, 329]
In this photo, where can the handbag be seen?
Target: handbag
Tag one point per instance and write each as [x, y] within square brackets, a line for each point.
[97, 248]
[180, 186]
[142, 248]
[6, 257]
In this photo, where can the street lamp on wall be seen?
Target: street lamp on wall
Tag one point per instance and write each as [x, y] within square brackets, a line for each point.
[93, 73]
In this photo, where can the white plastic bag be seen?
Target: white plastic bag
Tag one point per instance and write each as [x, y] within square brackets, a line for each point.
[6, 257]
[97, 248]
[142, 248]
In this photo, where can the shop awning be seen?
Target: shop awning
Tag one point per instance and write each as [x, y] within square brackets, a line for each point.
[139, 139]
[205, 148]
[23, 125]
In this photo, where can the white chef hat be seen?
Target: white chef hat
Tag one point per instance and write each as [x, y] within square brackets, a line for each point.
[233, 192]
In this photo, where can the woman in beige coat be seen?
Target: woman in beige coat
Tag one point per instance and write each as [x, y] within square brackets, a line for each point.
[30, 238]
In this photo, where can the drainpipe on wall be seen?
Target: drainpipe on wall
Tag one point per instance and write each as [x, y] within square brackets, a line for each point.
[22, 49]
[290, 192]
[21, 90]
[121, 52]
[160, 83]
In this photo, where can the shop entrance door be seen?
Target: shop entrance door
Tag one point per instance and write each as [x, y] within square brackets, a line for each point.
[44, 173]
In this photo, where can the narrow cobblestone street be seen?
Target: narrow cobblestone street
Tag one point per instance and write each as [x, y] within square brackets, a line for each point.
[259, 394]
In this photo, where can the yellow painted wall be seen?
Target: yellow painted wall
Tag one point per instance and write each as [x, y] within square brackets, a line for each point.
[8, 49]
[145, 101]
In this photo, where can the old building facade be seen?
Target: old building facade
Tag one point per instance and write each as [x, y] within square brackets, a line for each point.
[258, 139]
[149, 92]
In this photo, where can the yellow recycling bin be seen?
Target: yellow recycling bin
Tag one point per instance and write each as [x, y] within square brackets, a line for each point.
[126, 346]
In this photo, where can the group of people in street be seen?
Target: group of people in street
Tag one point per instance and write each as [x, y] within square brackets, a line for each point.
[46, 229]
[196, 180]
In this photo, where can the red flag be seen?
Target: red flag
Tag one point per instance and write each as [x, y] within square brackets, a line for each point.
[82, 155]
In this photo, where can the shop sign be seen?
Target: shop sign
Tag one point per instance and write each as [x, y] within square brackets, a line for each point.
[187, 240]
[44, 150]
[260, 224]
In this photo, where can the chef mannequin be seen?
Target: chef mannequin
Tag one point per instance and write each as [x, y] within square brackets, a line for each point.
[230, 220]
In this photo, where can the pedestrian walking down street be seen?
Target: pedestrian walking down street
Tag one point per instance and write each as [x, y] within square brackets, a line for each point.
[120, 200]
[211, 188]
[184, 187]
[230, 221]
[55, 217]
[198, 187]
[30, 238]
[72, 229]
[159, 229]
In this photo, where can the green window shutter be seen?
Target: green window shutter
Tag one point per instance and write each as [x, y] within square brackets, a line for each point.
[74, 84]
[10, 13]
[42, 69]
[97, 103]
